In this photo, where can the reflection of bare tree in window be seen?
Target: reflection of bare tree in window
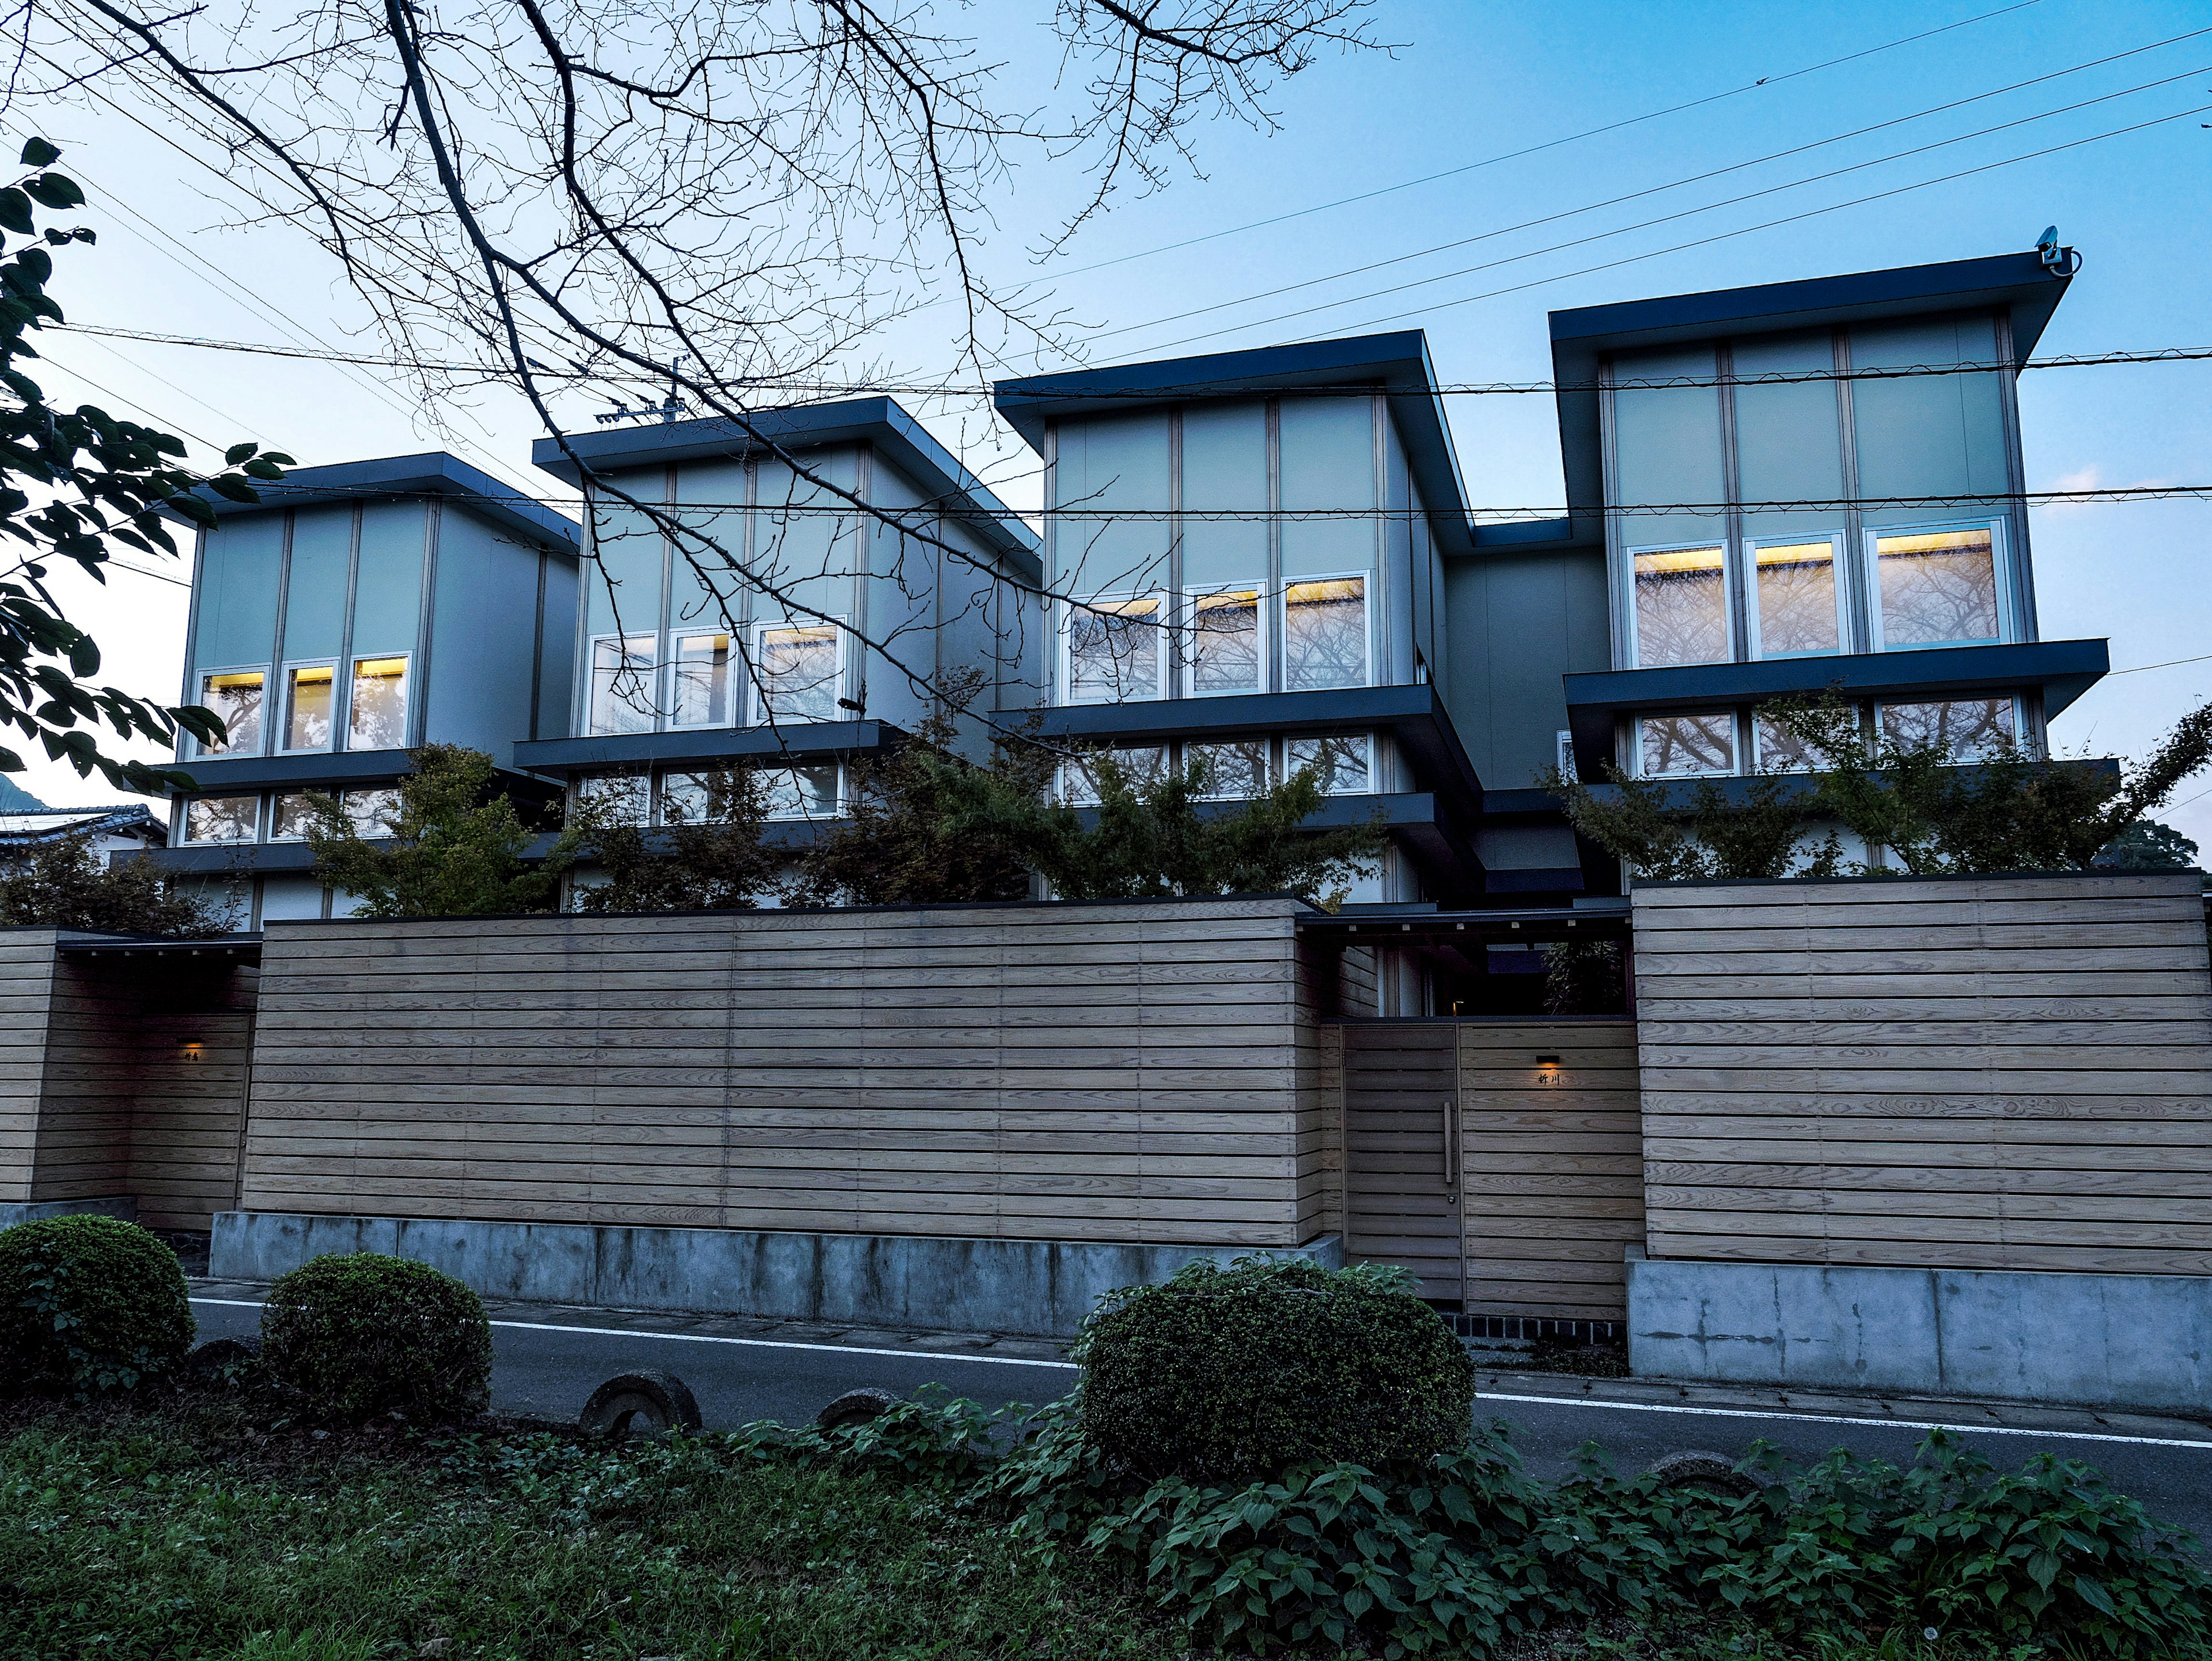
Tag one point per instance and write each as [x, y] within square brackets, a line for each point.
[1224, 642]
[1937, 587]
[622, 684]
[1325, 633]
[1235, 770]
[798, 673]
[1682, 746]
[1339, 764]
[1966, 729]
[1797, 598]
[1780, 750]
[1114, 651]
[1140, 764]
[1681, 607]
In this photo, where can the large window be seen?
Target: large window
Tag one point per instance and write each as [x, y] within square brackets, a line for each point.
[798, 792]
[1964, 729]
[1794, 598]
[627, 796]
[1681, 605]
[234, 696]
[289, 817]
[1936, 587]
[710, 796]
[1142, 765]
[222, 818]
[310, 692]
[1776, 749]
[1225, 651]
[703, 681]
[799, 671]
[622, 685]
[1342, 765]
[1325, 633]
[374, 813]
[377, 718]
[1233, 771]
[1686, 746]
[1114, 647]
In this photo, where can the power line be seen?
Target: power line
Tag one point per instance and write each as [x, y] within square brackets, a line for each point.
[1686, 213]
[1532, 149]
[1716, 172]
[1717, 236]
[2170, 663]
[1181, 390]
[273, 494]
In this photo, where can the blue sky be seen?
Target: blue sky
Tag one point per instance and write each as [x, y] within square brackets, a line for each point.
[1469, 82]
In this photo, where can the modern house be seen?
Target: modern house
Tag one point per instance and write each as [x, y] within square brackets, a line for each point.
[109, 832]
[1262, 560]
[353, 614]
[686, 671]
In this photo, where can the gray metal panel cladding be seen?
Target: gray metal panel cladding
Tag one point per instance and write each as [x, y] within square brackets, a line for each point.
[484, 635]
[237, 583]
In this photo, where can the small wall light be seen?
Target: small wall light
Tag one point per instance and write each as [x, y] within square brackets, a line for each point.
[1549, 1063]
[193, 1050]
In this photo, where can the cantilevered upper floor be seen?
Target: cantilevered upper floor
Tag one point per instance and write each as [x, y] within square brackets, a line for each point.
[782, 596]
[353, 614]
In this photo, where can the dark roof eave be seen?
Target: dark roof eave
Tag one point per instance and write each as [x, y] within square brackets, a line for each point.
[433, 473]
[878, 421]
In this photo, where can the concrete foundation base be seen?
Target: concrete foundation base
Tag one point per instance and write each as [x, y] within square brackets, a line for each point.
[2095, 1339]
[1040, 1287]
[121, 1205]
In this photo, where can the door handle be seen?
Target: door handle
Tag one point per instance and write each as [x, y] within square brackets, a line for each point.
[1451, 1142]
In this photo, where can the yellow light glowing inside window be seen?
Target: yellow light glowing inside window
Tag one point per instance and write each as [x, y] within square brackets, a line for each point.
[233, 682]
[316, 677]
[1672, 560]
[1934, 542]
[378, 668]
[1797, 553]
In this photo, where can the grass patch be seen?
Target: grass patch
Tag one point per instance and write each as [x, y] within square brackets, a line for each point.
[194, 1533]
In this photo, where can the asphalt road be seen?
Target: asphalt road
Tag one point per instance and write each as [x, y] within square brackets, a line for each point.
[552, 1366]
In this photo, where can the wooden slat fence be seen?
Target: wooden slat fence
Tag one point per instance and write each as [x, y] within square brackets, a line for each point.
[1141, 1072]
[1993, 1073]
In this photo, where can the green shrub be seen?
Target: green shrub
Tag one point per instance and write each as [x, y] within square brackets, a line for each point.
[360, 1336]
[88, 1304]
[1235, 1374]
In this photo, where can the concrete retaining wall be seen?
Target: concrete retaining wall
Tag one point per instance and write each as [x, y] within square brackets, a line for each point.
[2099, 1340]
[124, 1205]
[1043, 1287]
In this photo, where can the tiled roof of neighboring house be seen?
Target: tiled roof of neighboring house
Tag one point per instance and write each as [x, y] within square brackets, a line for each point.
[51, 824]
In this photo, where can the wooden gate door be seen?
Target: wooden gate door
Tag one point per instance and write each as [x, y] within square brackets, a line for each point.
[1402, 1151]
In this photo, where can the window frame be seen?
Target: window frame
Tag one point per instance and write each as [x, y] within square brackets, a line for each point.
[757, 694]
[1071, 608]
[1270, 770]
[1366, 741]
[1729, 557]
[650, 677]
[2000, 563]
[268, 672]
[1839, 551]
[1261, 654]
[261, 815]
[1369, 584]
[2011, 700]
[340, 701]
[1735, 769]
[407, 694]
[732, 662]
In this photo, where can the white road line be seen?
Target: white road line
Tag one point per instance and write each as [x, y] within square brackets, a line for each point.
[1840, 1418]
[1487, 1396]
[755, 1344]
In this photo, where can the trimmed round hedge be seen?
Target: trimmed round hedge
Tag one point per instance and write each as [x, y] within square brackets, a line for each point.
[360, 1336]
[1233, 1375]
[88, 1304]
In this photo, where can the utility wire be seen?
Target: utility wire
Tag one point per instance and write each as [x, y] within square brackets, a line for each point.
[1716, 172]
[1532, 149]
[1688, 213]
[1702, 241]
[1181, 391]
